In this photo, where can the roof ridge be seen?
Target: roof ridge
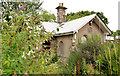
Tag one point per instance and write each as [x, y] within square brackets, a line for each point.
[81, 17]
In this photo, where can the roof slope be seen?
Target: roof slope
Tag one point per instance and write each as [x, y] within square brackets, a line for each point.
[75, 25]
[50, 26]
[71, 26]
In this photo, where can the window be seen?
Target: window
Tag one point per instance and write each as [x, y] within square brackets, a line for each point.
[90, 29]
[61, 46]
[83, 38]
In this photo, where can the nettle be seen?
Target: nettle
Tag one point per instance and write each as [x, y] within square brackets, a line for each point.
[22, 38]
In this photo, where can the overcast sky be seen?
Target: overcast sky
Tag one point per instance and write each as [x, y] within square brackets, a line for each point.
[108, 7]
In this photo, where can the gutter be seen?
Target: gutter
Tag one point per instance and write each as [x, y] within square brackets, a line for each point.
[64, 34]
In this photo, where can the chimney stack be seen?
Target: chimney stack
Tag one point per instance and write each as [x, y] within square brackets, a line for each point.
[61, 4]
[61, 13]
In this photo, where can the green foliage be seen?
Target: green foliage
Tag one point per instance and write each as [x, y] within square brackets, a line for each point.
[30, 7]
[84, 52]
[53, 59]
[114, 34]
[118, 32]
[22, 39]
[48, 17]
[109, 58]
[103, 18]
[16, 5]
[73, 16]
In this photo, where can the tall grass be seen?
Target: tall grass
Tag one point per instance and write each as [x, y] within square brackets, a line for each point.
[109, 58]
[93, 57]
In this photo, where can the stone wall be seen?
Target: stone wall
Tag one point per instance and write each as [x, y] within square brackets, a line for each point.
[67, 41]
[88, 30]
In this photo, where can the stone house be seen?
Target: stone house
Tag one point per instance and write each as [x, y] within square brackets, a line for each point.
[69, 32]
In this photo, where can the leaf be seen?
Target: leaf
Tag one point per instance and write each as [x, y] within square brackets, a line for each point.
[44, 57]
[57, 29]
[29, 48]
[21, 62]
[40, 57]
[5, 62]
[115, 68]
[8, 64]
[40, 36]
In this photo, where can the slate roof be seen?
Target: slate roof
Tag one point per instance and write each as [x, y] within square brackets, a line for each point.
[76, 24]
[71, 26]
[50, 26]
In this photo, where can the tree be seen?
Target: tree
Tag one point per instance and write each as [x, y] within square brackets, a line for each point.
[103, 18]
[48, 17]
[29, 8]
[118, 32]
[72, 16]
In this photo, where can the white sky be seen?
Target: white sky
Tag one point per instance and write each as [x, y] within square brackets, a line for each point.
[108, 7]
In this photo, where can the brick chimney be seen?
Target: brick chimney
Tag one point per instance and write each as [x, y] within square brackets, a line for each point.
[61, 13]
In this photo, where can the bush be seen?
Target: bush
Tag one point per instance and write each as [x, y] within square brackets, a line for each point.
[84, 53]
[23, 33]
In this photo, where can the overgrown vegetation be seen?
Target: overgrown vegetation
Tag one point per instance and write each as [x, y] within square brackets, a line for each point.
[22, 52]
[29, 7]
[83, 54]
[22, 38]
[109, 60]
[92, 57]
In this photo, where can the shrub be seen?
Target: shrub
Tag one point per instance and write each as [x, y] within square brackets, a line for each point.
[84, 52]
[23, 33]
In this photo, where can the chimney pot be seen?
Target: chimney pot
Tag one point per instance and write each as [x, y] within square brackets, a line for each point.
[62, 4]
[59, 4]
